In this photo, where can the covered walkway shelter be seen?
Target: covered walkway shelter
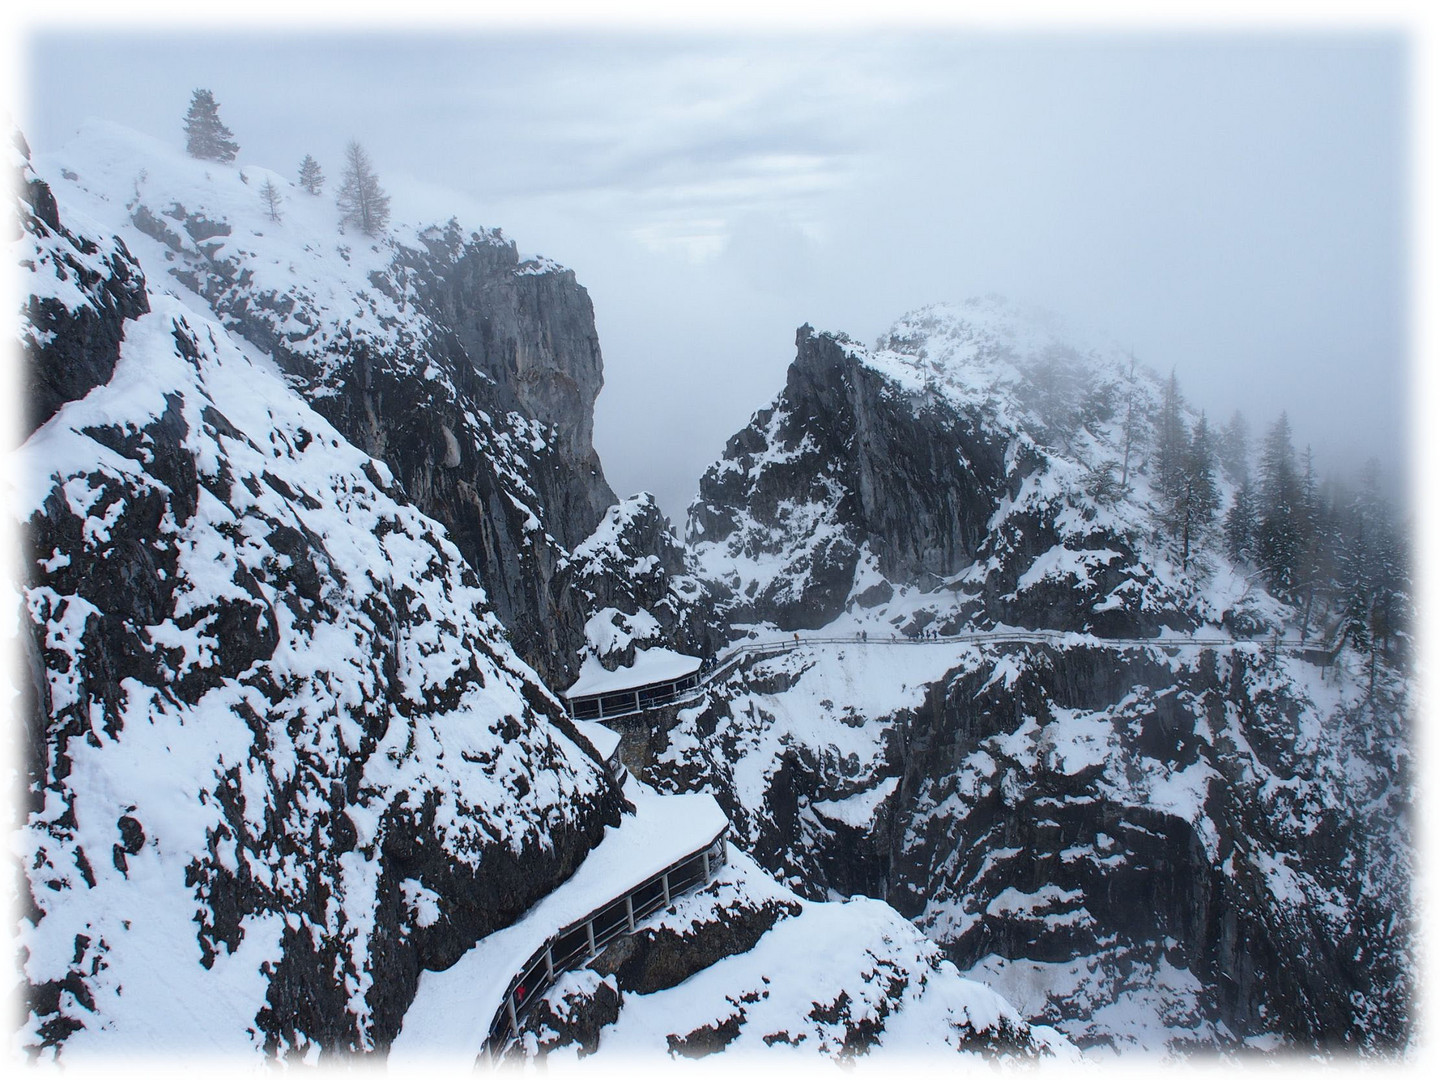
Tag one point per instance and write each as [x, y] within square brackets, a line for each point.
[657, 676]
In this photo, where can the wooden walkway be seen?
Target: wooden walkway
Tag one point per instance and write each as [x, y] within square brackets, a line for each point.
[581, 941]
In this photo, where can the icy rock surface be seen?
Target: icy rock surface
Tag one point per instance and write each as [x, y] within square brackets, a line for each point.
[279, 755]
[80, 294]
[633, 575]
[935, 461]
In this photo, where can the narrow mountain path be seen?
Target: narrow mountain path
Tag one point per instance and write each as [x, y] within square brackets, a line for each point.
[642, 699]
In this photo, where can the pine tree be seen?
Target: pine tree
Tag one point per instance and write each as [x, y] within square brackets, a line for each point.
[1277, 534]
[1170, 442]
[1240, 525]
[270, 194]
[1310, 523]
[1233, 449]
[361, 200]
[1133, 434]
[1372, 572]
[1199, 498]
[205, 136]
[311, 178]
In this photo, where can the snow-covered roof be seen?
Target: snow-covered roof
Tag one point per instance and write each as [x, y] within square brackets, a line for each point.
[651, 666]
[604, 740]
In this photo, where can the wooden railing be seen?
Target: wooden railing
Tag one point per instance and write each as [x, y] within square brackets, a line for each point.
[582, 940]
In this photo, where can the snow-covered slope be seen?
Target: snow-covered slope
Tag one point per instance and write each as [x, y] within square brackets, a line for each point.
[279, 753]
[746, 966]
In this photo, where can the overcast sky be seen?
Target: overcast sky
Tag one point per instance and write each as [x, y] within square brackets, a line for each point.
[1234, 206]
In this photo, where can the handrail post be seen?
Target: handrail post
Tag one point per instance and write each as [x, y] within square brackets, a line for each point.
[510, 1009]
[705, 862]
[549, 963]
[630, 912]
[665, 886]
[590, 937]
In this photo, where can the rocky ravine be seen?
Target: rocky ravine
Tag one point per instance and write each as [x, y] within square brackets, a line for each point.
[469, 371]
[281, 755]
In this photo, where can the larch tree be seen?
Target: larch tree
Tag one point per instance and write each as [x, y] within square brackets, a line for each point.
[311, 178]
[362, 202]
[205, 136]
[270, 195]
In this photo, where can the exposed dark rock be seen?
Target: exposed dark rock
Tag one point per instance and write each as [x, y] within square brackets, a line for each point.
[141, 604]
[73, 328]
[572, 1014]
[707, 1040]
[657, 958]
[633, 570]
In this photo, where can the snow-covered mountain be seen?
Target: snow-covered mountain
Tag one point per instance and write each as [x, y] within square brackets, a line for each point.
[470, 372]
[312, 527]
[1142, 841]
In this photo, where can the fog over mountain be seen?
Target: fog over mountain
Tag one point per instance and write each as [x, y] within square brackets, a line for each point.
[1232, 205]
[992, 690]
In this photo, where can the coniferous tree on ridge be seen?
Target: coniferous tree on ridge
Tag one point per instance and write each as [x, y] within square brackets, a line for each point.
[311, 178]
[1240, 525]
[1170, 441]
[361, 200]
[1198, 495]
[205, 136]
[1233, 448]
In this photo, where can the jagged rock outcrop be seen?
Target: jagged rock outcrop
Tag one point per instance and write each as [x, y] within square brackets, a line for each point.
[75, 318]
[837, 465]
[881, 470]
[279, 755]
[631, 579]
[1137, 847]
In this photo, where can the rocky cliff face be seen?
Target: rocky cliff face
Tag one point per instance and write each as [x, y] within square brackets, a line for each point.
[279, 754]
[1141, 846]
[916, 470]
[73, 321]
[305, 516]
[1138, 846]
